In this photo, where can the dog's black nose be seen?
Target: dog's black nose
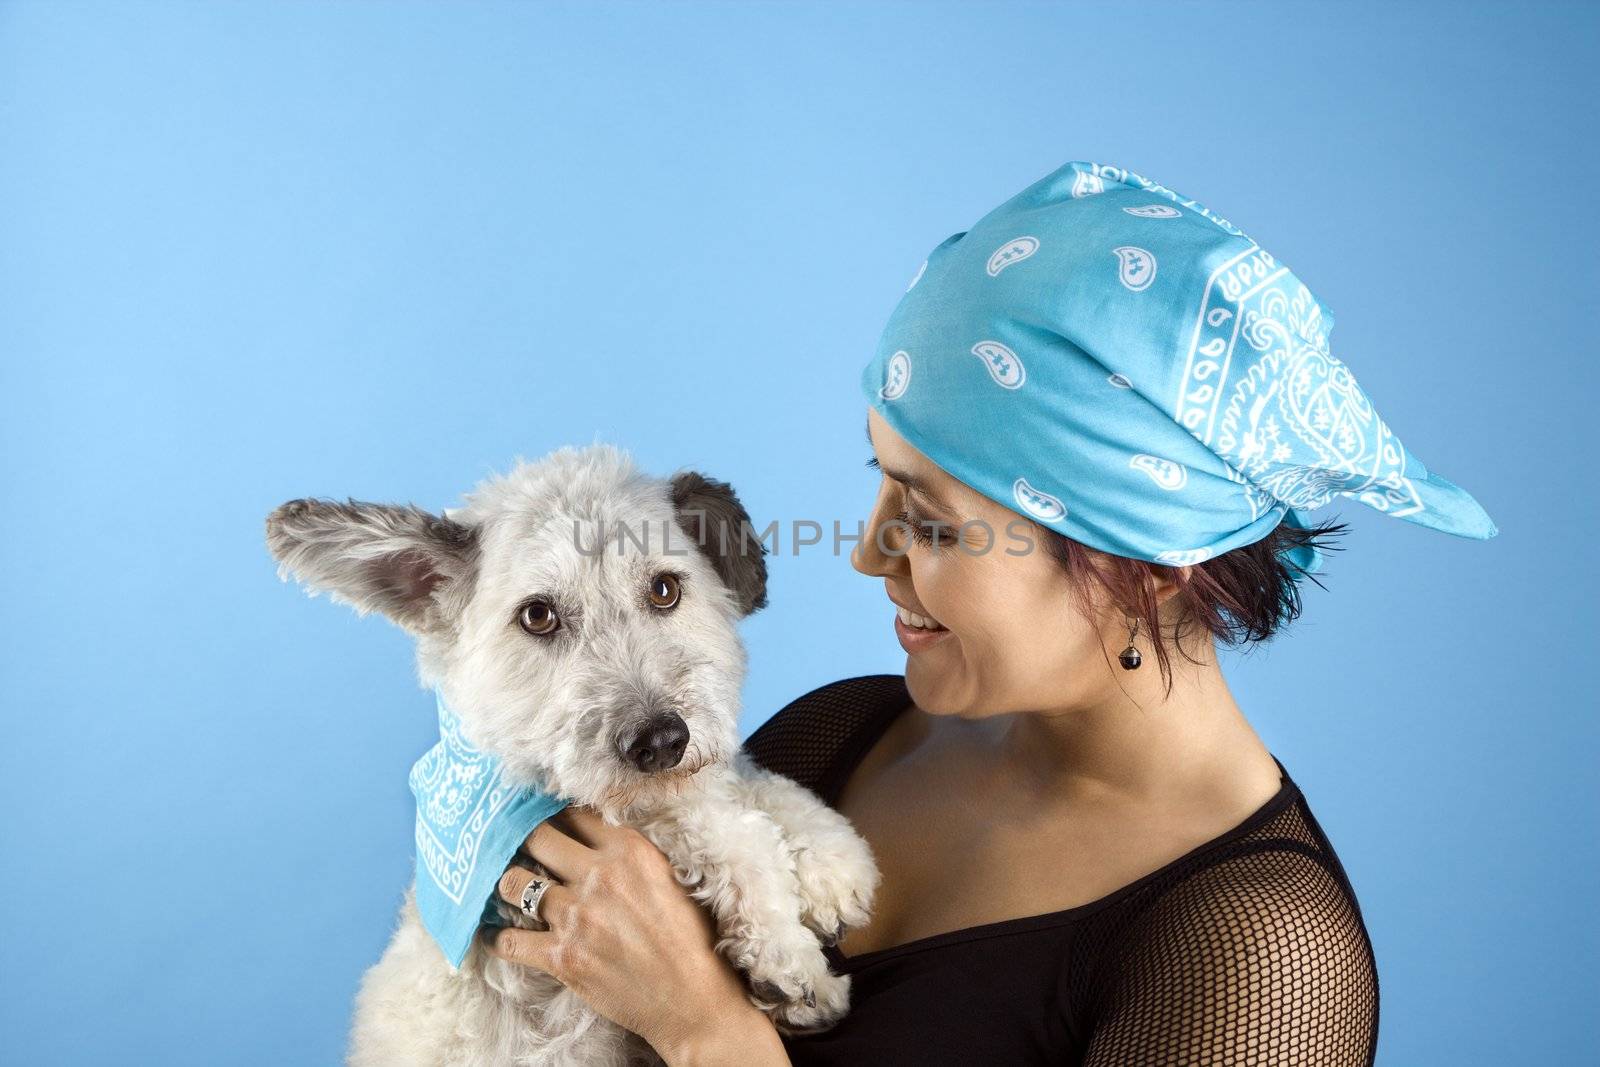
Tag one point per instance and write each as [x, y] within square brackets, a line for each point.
[656, 744]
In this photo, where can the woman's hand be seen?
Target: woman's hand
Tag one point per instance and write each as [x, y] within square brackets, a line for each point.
[629, 940]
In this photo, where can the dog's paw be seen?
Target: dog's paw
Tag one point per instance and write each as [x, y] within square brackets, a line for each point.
[791, 982]
[836, 887]
[824, 1001]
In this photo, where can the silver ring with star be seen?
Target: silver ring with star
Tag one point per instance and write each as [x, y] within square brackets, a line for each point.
[532, 894]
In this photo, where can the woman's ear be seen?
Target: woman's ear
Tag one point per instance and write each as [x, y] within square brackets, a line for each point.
[374, 557]
[710, 513]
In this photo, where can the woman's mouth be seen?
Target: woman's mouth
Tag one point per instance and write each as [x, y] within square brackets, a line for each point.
[917, 632]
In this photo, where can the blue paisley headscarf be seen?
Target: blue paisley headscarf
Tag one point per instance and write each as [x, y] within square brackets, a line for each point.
[1121, 365]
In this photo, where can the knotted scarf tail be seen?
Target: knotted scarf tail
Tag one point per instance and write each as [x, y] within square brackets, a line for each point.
[1448, 508]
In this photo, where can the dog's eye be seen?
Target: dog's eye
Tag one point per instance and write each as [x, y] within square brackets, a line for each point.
[539, 618]
[664, 591]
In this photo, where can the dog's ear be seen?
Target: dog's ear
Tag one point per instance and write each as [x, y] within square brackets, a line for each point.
[374, 557]
[710, 513]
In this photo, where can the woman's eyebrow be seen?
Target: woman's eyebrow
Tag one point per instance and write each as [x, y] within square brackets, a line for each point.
[909, 480]
[918, 486]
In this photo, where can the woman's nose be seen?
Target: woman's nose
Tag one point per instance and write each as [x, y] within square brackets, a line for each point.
[880, 550]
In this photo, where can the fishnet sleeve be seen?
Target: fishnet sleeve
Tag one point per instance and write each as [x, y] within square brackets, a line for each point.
[1259, 959]
[817, 738]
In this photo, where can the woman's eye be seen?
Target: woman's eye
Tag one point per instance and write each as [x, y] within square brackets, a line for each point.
[924, 533]
[664, 591]
[539, 618]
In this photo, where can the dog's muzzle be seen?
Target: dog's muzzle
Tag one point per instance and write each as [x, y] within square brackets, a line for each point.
[656, 744]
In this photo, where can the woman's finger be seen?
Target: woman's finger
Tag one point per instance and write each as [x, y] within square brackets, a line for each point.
[585, 825]
[556, 900]
[555, 907]
[512, 883]
[561, 854]
[530, 948]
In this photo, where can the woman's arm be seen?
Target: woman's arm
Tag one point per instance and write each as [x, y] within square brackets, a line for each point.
[628, 939]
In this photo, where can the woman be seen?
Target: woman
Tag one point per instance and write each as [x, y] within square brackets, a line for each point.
[1100, 415]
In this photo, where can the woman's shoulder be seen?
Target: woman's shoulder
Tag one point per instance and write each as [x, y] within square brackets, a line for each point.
[1276, 863]
[816, 738]
[1263, 926]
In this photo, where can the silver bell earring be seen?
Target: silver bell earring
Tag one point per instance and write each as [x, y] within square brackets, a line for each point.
[1130, 657]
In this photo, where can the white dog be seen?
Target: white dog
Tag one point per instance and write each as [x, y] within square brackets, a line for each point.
[581, 617]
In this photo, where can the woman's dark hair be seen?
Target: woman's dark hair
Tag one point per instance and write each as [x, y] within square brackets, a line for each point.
[1241, 597]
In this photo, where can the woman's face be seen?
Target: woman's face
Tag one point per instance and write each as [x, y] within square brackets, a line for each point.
[999, 630]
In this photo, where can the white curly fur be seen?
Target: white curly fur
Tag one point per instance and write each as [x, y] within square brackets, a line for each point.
[778, 869]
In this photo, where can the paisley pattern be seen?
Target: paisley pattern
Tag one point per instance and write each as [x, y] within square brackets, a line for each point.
[1228, 413]
[1165, 473]
[1004, 366]
[897, 377]
[1011, 253]
[1136, 268]
[1284, 412]
[458, 790]
[1039, 504]
[470, 821]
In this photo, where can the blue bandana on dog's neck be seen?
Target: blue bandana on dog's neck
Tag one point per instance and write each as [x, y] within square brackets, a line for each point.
[470, 823]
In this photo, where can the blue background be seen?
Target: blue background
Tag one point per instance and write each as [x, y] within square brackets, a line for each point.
[255, 252]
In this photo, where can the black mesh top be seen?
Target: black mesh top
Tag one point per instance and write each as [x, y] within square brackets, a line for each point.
[1250, 949]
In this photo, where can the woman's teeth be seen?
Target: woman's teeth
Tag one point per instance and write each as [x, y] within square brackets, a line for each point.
[920, 622]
